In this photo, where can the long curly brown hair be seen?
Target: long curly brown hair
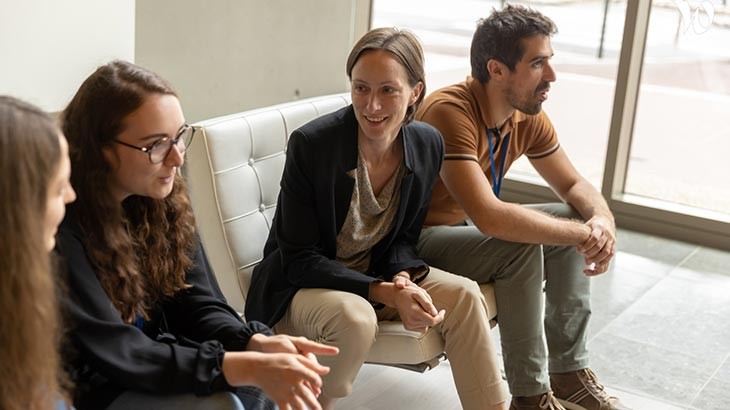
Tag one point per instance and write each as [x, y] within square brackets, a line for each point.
[30, 155]
[141, 248]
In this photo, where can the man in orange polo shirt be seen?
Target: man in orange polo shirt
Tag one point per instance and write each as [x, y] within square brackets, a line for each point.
[487, 122]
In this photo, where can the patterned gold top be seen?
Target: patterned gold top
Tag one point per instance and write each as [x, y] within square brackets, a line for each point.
[369, 218]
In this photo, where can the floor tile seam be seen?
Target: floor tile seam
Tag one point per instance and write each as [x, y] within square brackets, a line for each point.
[666, 276]
[650, 275]
[723, 275]
[712, 376]
[629, 306]
[662, 347]
[649, 272]
[645, 255]
[669, 266]
[630, 339]
[645, 395]
[686, 258]
[648, 396]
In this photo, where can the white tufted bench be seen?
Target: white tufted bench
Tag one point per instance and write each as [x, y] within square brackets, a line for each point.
[233, 168]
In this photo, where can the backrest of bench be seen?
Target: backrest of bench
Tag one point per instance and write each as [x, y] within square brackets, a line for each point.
[233, 168]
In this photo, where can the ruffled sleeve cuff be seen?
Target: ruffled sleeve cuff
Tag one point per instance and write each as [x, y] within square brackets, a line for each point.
[209, 369]
[253, 327]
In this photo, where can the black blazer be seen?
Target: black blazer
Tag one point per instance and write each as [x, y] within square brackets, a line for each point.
[313, 203]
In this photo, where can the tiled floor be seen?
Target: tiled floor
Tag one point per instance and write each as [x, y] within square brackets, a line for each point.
[659, 337]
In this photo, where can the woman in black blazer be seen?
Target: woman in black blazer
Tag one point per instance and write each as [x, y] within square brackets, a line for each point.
[341, 253]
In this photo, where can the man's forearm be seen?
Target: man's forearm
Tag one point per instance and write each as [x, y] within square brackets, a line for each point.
[588, 201]
[515, 223]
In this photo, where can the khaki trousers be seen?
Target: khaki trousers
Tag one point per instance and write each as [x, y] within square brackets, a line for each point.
[350, 322]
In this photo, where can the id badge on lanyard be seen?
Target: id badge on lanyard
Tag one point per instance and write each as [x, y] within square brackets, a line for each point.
[497, 179]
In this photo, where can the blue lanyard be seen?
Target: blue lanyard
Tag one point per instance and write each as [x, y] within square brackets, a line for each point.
[497, 179]
[140, 322]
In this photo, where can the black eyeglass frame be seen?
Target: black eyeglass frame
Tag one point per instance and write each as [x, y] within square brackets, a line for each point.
[148, 149]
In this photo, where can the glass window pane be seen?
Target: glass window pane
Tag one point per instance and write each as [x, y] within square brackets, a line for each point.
[580, 102]
[681, 136]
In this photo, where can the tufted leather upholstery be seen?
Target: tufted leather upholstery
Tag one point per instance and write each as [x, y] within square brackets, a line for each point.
[233, 168]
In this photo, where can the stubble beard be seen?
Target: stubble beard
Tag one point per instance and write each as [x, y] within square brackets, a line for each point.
[525, 105]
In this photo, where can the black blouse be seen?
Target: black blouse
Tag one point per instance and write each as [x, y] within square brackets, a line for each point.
[179, 350]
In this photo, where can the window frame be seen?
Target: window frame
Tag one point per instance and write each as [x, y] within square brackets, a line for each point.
[653, 216]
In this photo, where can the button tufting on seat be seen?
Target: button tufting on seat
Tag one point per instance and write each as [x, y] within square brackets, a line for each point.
[262, 208]
[250, 161]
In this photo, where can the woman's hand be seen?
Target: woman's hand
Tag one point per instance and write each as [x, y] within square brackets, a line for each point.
[414, 304]
[288, 344]
[292, 381]
[402, 279]
[415, 307]
[260, 342]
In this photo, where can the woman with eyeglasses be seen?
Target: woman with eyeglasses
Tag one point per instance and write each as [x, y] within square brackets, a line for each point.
[149, 326]
[34, 191]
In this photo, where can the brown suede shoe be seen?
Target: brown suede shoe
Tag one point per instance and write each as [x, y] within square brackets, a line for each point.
[580, 390]
[545, 401]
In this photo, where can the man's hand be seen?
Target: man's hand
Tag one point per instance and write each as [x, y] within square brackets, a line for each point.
[600, 246]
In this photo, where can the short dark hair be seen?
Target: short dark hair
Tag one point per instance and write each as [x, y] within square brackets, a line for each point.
[500, 36]
[405, 47]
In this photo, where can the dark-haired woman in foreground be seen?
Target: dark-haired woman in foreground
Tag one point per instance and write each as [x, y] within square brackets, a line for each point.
[149, 325]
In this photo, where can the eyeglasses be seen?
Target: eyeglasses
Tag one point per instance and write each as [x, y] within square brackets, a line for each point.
[160, 149]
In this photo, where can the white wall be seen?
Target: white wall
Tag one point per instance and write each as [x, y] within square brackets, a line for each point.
[224, 56]
[48, 47]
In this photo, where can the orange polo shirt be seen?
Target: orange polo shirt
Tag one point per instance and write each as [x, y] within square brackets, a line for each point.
[460, 112]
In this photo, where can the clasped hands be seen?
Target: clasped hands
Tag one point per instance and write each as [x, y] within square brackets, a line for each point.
[600, 246]
[414, 304]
